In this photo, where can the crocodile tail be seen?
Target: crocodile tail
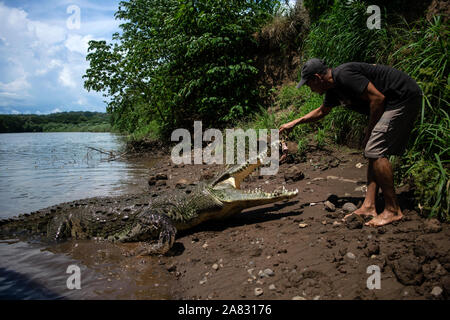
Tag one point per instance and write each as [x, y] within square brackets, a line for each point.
[34, 223]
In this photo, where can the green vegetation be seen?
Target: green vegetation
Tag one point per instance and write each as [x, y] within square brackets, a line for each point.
[56, 122]
[421, 50]
[177, 61]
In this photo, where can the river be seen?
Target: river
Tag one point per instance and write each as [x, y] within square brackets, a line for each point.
[38, 170]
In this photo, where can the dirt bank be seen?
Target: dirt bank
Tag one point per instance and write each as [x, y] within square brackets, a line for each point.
[302, 248]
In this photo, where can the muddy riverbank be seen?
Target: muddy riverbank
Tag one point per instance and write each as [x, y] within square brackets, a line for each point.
[301, 249]
[298, 249]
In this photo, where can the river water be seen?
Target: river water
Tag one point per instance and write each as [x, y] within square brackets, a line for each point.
[42, 169]
[38, 170]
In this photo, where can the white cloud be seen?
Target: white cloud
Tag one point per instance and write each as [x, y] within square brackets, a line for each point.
[46, 34]
[42, 62]
[15, 86]
[56, 110]
[78, 43]
[66, 77]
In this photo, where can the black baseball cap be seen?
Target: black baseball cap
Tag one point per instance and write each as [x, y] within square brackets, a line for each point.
[310, 68]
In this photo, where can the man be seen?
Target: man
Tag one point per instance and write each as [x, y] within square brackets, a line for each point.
[391, 99]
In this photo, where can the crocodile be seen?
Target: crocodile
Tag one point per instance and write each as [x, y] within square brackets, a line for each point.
[150, 220]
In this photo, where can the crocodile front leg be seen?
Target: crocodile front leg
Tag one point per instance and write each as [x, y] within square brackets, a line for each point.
[154, 232]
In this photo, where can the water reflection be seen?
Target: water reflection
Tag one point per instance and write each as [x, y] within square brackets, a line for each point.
[42, 169]
[31, 271]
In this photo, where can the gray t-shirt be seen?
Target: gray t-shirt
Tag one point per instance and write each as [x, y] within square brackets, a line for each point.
[352, 78]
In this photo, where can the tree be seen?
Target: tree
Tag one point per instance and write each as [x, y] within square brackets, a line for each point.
[176, 61]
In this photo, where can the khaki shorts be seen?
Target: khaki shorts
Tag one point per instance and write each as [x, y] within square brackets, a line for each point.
[391, 133]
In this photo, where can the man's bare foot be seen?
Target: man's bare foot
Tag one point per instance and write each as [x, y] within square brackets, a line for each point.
[384, 218]
[363, 211]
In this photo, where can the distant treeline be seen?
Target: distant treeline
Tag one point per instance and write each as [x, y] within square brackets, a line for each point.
[75, 121]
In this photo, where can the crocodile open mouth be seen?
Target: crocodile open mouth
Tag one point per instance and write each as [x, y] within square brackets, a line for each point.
[228, 185]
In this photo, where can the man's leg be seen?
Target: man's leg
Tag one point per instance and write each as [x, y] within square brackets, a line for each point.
[384, 177]
[368, 206]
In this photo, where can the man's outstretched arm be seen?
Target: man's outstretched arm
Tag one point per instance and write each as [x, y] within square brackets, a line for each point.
[312, 116]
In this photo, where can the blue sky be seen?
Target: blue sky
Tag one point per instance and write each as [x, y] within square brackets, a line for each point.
[43, 53]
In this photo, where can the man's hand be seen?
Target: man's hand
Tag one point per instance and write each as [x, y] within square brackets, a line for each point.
[287, 127]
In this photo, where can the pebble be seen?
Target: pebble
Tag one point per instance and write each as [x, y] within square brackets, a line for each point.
[272, 287]
[349, 207]
[269, 272]
[215, 266]
[329, 206]
[205, 246]
[373, 249]
[361, 188]
[350, 255]
[302, 225]
[437, 291]
[359, 165]
[258, 291]
[298, 298]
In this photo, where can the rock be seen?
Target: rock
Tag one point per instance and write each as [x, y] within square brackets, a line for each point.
[151, 180]
[349, 207]
[181, 184]
[437, 291]
[215, 266]
[372, 249]
[362, 189]
[298, 298]
[172, 268]
[272, 287]
[269, 272]
[302, 225]
[359, 165]
[354, 222]
[408, 270]
[351, 255]
[329, 206]
[160, 183]
[161, 176]
[294, 174]
[258, 292]
[432, 226]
